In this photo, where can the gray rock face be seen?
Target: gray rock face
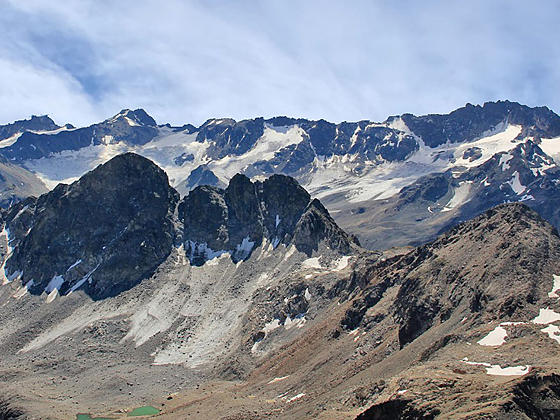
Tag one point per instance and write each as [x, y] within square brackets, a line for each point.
[514, 237]
[103, 233]
[230, 137]
[241, 217]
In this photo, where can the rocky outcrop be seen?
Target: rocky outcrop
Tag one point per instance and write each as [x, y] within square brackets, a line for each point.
[241, 217]
[396, 410]
[103, 233]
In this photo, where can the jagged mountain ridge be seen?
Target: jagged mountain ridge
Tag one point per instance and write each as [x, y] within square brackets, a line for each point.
[115, 225]
[351, 167]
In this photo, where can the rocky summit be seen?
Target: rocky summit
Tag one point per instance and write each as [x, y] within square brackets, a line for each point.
[245, 214]
[114, 225]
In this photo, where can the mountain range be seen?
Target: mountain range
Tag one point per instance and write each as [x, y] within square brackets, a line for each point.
[438, 169]
[282, 268]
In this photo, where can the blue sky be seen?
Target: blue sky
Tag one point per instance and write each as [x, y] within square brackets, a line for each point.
[187, 61]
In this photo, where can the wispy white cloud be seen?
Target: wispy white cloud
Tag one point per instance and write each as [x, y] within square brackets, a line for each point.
[186, 61]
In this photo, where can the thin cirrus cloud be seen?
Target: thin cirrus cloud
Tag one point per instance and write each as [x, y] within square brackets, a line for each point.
[187, 61]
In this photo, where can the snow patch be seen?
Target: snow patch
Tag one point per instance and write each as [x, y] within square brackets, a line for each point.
[271, 326]
[204, 250]
[551, 147]
[296, 397]
[281, 378]
[460, 196]
[553, 332]
[546, 316]
[10, 140]
[341, 263]
[496, 337]
[504, 161]
[298, 322]
[5, 277]
[55, 284]
[497, 370]
[312, 263]
[74, 265]
[87, 277]
[515, 184]
[243, 250]
[131, 122]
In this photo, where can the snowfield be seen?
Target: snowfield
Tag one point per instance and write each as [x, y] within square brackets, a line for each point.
[357, 180]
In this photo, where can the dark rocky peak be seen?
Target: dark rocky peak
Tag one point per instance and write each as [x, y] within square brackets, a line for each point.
[35, 123]
[187, 128]
[103, 233]
[245, 214]
[470, 122]
[283, 202]
[218, 221]
[138, 116]
[230, 137]
[281, 121]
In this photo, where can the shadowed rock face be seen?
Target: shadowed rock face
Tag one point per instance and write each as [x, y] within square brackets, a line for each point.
[115, 223]
[113, 227]
[201, 175]
[242, 216]
[395, 410]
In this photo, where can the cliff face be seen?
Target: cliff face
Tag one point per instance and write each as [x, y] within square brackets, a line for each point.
[244, 215]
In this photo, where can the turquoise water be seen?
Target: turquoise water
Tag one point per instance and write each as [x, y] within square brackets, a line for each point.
[147, 410]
